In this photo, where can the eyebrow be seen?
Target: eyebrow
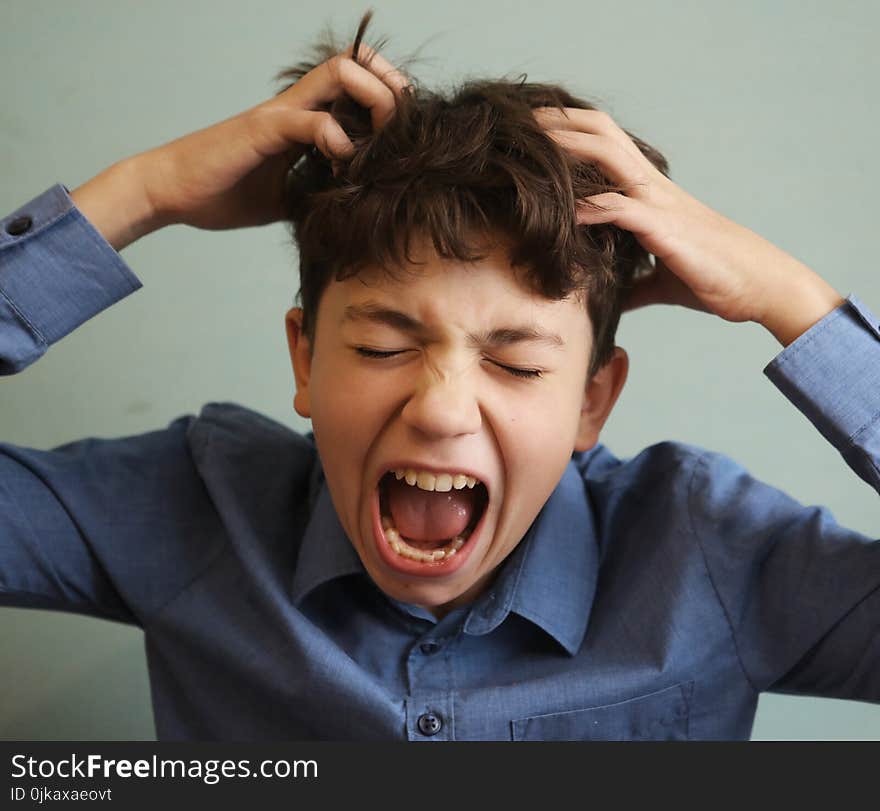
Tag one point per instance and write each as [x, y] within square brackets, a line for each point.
[500, 336]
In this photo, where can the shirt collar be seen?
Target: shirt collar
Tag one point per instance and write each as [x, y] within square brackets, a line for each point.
[326, 551]
[549, 579]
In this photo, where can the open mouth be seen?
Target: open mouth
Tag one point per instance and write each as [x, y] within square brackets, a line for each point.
[433, 547]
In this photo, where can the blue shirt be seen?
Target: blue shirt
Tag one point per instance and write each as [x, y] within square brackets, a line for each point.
[653, 597]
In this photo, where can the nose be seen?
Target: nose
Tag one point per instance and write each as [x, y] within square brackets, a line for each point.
[443, 405]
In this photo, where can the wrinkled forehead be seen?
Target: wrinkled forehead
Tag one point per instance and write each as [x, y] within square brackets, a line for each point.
[432, 297]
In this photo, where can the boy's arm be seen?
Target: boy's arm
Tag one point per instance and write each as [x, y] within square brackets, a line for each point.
[56, 272]
[75, 526]
[703, 260]
[229, 175]
[82, 526]
[801, 593]
[831, 373]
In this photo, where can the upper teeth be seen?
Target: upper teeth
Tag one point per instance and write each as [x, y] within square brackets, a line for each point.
[442, 483]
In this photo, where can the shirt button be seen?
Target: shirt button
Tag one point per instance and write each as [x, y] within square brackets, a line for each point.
[429, 724]
[19, 225]
[429, 647]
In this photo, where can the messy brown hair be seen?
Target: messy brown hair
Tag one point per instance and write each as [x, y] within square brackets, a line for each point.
[460, 168]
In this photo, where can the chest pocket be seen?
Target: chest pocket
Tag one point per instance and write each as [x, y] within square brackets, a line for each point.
[660, 716]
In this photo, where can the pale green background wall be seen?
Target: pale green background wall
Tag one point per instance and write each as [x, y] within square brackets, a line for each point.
[766, 110]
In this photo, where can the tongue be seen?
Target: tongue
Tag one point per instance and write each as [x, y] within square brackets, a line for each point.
[421, 515]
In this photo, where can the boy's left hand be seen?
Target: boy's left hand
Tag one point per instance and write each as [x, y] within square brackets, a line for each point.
[702, 260]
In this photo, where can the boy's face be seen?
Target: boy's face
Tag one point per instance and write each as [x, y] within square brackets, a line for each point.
[446, 404]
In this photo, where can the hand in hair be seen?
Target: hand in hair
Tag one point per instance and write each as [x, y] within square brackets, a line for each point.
[703, 260]
[233, 174]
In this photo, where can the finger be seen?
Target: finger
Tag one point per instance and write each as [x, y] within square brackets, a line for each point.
[617, 164]
[381, 67]
[651, 289]
[596, 122]
[321, 129]
[661, 286]
[367, 81]
[340, 76]
[625, 212]
[642, 294]
[574, 118]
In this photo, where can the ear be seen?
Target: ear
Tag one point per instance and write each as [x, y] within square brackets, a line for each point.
[301, 358]
[600, 395]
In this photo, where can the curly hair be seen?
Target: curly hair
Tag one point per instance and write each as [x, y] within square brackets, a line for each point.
[459, 168]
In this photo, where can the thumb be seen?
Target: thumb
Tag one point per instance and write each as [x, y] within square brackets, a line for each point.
[661, 286]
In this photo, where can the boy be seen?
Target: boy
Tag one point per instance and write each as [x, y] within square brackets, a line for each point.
[451, 554]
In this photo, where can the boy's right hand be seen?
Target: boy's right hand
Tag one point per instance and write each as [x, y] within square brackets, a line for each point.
[232, 174]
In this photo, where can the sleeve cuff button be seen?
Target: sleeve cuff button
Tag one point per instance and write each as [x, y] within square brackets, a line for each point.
[19, 226]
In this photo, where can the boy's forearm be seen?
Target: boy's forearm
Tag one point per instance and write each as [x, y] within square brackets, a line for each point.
[800, 305]
[115, 202]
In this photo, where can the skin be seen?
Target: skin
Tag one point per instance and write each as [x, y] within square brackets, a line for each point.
[448, 404]
[444, 400]
[703, 260]
[232, 174]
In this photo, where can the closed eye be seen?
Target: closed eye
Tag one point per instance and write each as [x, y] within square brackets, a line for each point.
[375, 353]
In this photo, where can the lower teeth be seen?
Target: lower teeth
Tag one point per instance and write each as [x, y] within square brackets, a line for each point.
[402, 548]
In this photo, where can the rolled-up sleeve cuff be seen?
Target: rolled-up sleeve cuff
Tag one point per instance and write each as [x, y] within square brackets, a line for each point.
[831, 373]
[56, 269]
